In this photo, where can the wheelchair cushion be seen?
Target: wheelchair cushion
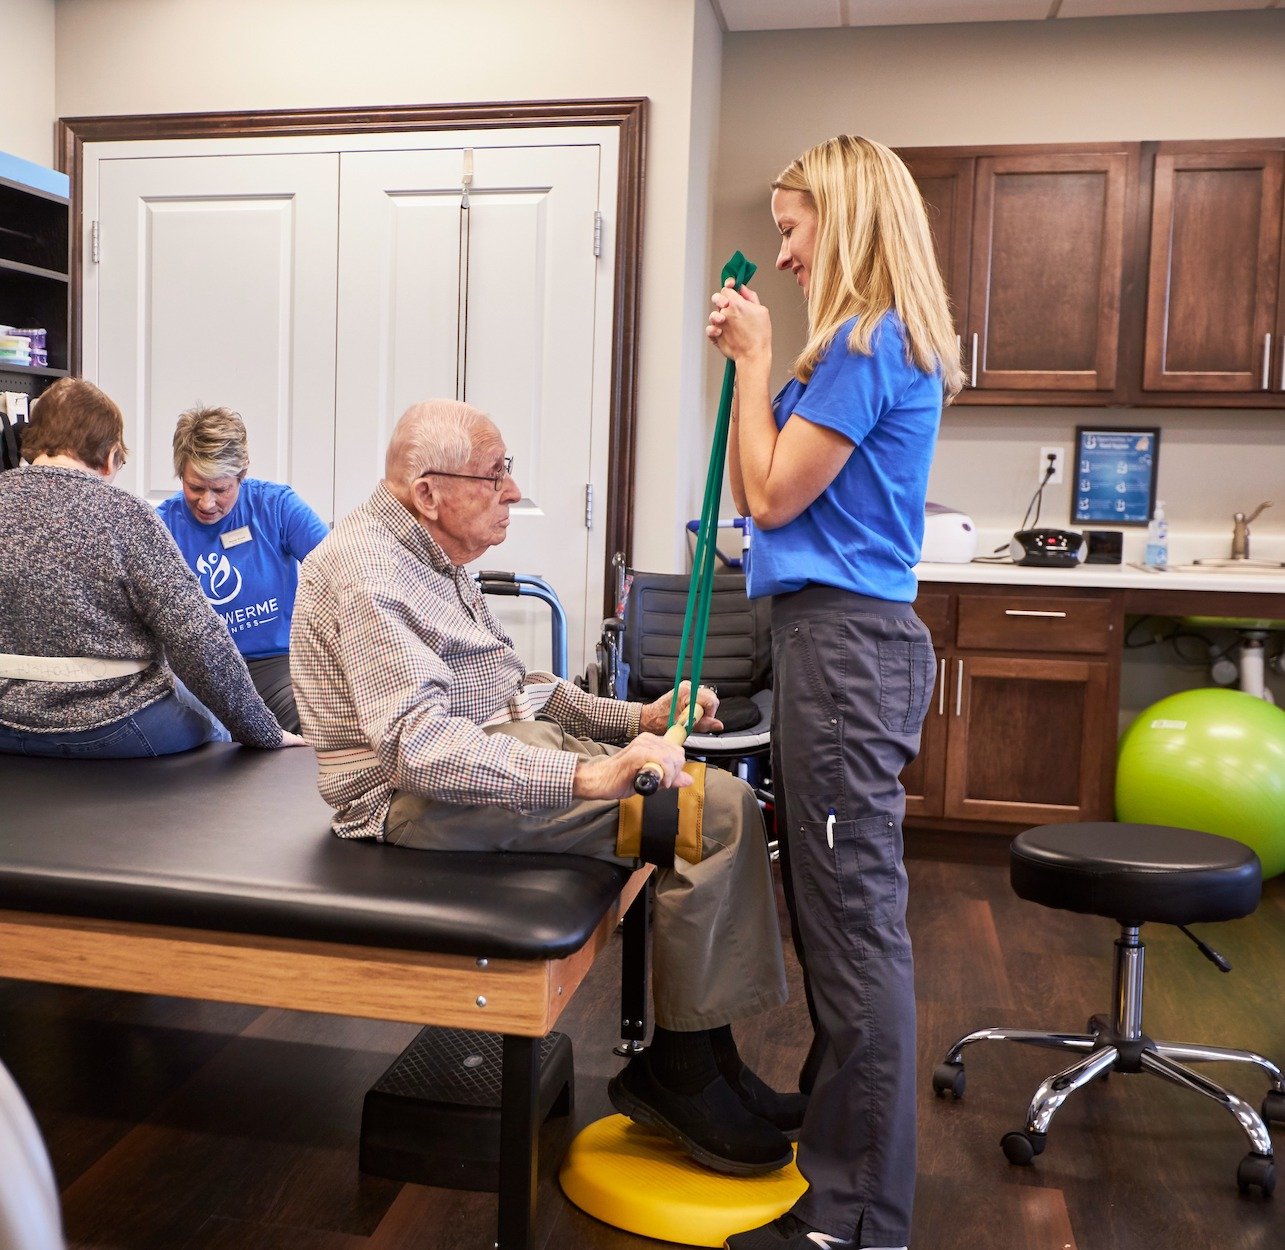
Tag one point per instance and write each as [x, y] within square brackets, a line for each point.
[1136, 873]
[739, 742]
[738, 714]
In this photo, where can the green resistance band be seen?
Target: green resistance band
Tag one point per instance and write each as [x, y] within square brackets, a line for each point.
[701, 588]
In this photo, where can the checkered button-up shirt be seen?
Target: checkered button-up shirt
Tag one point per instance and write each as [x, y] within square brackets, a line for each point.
[397, 662]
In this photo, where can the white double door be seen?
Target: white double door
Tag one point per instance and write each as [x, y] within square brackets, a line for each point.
[321, 293]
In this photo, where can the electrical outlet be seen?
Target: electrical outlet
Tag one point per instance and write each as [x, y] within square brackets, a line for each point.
[1058, 455]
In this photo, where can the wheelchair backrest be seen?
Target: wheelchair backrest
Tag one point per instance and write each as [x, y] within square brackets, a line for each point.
[738, 644]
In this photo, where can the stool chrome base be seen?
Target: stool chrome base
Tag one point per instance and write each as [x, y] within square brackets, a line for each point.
[1117, 1043]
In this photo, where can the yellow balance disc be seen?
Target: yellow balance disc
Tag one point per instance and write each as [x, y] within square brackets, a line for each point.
[630, 1178]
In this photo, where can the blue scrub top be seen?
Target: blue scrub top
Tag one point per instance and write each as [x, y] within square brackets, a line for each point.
[865, 530]
[248, 563]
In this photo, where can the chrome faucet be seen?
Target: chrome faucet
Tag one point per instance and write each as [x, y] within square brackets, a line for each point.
[1240, 534]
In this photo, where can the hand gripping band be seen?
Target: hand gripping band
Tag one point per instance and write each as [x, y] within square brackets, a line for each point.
[665, 826]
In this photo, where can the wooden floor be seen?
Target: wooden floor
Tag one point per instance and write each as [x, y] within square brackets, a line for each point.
[190, 1126]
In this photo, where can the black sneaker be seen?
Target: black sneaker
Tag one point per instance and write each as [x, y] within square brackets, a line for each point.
[785, 1111]
[786, 1232]
[712, 1126]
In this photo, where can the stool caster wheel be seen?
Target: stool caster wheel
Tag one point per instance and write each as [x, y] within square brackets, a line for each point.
[1273, 1109]
[1256, 1170]
[1021, 1147]
[948, 1078]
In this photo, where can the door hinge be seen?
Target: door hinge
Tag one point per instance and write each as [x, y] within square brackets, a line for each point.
[597, 233]
[93, 242]
[588, 505]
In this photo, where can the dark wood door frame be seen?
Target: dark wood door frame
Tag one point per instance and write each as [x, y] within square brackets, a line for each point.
[627, 115]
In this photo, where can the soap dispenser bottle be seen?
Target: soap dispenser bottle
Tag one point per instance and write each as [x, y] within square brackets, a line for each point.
[1157, 553]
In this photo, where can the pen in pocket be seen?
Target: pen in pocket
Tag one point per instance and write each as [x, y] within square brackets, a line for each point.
[829, 829]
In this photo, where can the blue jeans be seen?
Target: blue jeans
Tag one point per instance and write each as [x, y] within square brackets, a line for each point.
[178, 722]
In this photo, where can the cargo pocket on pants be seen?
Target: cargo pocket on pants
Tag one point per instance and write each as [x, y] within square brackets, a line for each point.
[861, 874]
[907, 671]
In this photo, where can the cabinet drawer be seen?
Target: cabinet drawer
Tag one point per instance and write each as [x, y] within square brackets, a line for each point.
[933, 608]
[1034, 623]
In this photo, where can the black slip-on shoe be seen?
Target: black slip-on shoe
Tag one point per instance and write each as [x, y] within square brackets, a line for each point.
[786, 1232]
[712, 1126]
[785, 1111]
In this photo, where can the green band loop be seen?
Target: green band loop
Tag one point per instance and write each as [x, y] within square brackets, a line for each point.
[701, 589]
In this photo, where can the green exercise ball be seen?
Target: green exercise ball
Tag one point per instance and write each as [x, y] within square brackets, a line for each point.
[1212, 760]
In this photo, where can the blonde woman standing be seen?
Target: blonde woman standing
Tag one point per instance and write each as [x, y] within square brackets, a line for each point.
[834, 472]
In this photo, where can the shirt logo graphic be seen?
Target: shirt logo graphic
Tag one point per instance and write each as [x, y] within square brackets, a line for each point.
[216, 572]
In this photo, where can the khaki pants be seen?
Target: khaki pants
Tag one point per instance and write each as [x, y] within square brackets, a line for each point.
[716, 945]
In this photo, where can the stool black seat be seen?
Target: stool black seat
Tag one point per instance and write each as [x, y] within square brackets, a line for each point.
[1133, 874]
[1136, 874]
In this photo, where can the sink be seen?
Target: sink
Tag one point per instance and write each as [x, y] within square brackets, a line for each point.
[1230, 566]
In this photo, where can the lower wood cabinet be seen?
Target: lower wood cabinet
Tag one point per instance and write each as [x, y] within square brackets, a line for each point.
[1021, 728]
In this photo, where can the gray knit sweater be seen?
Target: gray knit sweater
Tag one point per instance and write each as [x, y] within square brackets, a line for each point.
[89, 570]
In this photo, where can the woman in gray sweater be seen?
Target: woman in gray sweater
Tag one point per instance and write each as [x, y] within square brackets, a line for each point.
[99, 612]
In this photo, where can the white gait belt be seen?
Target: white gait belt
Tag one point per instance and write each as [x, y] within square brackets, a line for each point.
[66, 668]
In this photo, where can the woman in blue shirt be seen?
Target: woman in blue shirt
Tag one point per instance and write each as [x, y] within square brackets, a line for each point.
[244, 539]
[834, 473]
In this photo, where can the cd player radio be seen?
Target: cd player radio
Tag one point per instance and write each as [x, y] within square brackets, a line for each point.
[1056, 549]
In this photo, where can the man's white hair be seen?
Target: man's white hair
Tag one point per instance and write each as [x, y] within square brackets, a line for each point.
[436, 434]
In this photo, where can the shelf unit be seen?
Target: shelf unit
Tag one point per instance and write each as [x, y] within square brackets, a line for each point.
[34, 267]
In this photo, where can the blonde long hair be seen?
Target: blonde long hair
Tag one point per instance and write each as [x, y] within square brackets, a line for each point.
[873, 254]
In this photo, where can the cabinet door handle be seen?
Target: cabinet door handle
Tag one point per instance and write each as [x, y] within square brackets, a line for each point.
[972, 373]
[941, 689]
[959, 686]
[1030, 612]
[1282, 386]
[1267, 362]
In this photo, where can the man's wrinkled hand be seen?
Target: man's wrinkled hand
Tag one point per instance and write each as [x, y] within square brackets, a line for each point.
[655, 716]
[612, 776]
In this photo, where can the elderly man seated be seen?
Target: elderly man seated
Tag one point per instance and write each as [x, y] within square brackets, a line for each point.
[413, 696]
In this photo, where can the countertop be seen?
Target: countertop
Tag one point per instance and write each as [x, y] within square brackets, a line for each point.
[1126, 576]
[1110, 576]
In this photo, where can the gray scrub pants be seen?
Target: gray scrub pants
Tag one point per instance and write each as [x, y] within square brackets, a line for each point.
[716, 943]
[852, 681]
[271, 677]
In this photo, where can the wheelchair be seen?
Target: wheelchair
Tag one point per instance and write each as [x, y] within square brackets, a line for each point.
[637, 658]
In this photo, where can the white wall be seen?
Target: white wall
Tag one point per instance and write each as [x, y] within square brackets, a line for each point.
[1186, 77]
[1129, 78]
[27, 114]
[144, 56]
[695, 420]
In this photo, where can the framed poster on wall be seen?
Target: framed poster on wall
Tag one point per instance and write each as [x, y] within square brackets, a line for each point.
[1115, 475]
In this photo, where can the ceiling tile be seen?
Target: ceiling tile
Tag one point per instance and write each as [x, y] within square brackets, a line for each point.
[822, 14]
[781, 14]
[923, 12]
[1138, 8]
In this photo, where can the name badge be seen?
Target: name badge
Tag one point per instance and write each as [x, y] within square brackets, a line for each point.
[234, 538]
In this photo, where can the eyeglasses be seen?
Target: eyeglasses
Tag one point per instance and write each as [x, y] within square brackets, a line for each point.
[496, 479]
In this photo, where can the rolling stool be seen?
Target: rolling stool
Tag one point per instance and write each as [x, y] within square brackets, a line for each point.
[1133, 874]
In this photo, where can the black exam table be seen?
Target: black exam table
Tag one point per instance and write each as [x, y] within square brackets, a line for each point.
[214, 875]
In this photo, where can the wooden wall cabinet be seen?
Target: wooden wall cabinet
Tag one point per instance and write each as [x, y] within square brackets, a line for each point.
[1021, 729]
[34, 283]
[1123, 274]
[1034, 245]
[1215, 321]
